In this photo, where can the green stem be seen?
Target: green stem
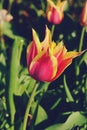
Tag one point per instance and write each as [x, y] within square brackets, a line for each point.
[10, 5]
[2, 92]
[86, 94]
[43, 88]
[79, 49]
[81, 39]
[29, 106]
[1, 4]
[13, 77]
[52, 30]
[12, 84]
[42, 5]
[69, 96]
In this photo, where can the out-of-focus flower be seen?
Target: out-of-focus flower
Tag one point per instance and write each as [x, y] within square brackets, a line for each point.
[83, 17]
[4, 16]
[47, 60]
[55, 12]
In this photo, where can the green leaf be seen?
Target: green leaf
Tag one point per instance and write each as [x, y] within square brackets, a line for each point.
[41, 113]
[75, 119]
[56, 104]
[21, 87]
[85, 58]
[30, 86]
[8, 30]
[13, 78]
[42, 89]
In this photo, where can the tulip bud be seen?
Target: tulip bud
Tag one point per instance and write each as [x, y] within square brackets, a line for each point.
[55, 12]
[83, 17]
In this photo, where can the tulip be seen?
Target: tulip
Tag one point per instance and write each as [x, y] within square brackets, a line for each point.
[55, 12]
[83, 17]
[47, 60]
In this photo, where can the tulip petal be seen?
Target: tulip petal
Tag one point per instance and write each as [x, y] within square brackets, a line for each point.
[31, 52]
[47, 39]
[33, 48]
[64, 64]
[72, 54]
[53, 13]
[60, 51]
[61, 5]
[51, 48]
[83, 17]
[36, 40]
[51, 3]
[66, 61]
[44, 68]
[56, 16]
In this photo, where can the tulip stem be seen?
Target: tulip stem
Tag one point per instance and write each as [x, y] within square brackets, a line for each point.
[80, 48]
[52, 30]
[69, 96]
[86, 93]
[81, 39]
[29, 106]
[12, 83]
[13, 77]
[42, 5]
[1, 5]
[10, 5]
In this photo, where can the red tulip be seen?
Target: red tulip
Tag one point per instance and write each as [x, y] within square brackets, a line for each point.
[83, 17]
[55, 12]
[47, 60]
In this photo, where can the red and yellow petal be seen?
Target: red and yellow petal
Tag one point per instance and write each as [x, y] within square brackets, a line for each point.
[36, 40]
[66, 61]
[61, 5]
[72, 54]
[64, 64]
[31, 52]
[51, 4]
[47, 40]
[44, 69]
[83, 17]
[60, 51]
[56, 16]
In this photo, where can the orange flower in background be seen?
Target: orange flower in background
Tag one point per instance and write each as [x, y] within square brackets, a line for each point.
[83, 17]
[4, 16]
[47, 60]
[55, 12]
